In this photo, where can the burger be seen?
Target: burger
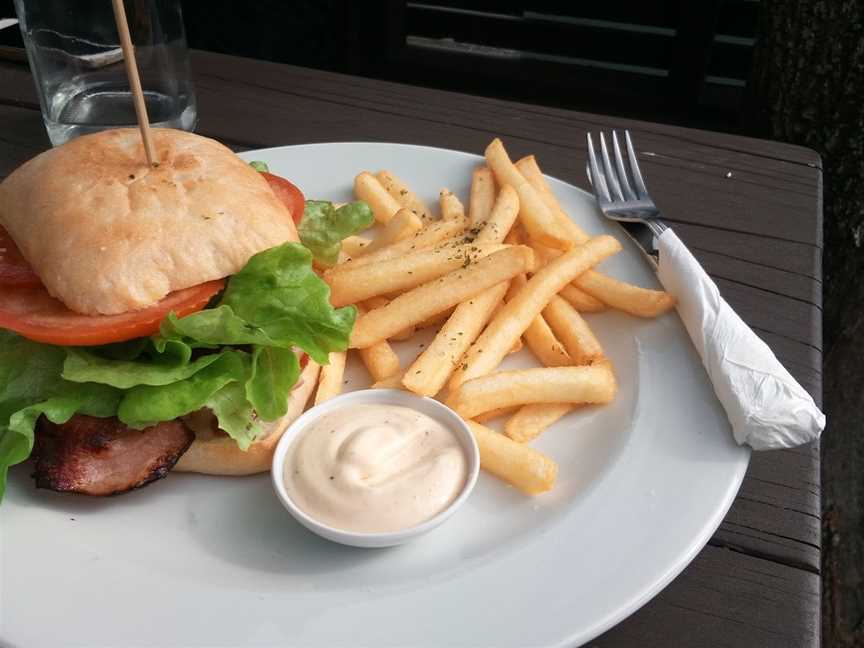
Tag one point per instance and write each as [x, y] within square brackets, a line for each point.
[158, 318]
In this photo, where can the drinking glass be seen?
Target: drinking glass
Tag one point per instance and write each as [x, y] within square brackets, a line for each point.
[76, 60]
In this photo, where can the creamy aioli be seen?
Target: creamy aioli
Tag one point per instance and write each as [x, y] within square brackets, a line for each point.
[375, 468]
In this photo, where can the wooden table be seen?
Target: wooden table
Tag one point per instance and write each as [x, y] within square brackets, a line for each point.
[750, 210]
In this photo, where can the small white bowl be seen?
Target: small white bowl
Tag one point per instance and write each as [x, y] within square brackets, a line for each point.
[427, 406]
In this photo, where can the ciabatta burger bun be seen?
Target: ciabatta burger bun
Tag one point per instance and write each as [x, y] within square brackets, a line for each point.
[108, 234]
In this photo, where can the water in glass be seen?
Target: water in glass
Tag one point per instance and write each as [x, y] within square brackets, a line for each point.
[75, 56]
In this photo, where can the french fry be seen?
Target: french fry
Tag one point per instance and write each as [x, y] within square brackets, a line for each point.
[530, 170]
[623, 296]
[355, 285]
[544, 345]
[502, 217]
[513, 237]
[530, 421]
[496, 413]
[379, 301]
[403, 194]
[430, 371]
[390, 382]
[541, 223]
[539, 337]
[437, 319]
[517, 314]
[582, 301]
[427, 300]
[529, 470]
[516, 348]
[451, 206]
[577, 337]
[404, 223]
[405, 334]
[587, 384]
[380, 360]
[482, 195]
[620, 295]
[375, 302]
[369, 190]
[431, 235]
[354, 246]
[330, 378]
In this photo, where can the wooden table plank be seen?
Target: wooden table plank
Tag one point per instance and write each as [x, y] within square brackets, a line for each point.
[725, 599]
[798, 258]
[21, 137]
[758, 232]
[778, 513]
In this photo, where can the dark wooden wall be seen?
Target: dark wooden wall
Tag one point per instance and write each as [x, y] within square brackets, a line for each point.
[671, 60]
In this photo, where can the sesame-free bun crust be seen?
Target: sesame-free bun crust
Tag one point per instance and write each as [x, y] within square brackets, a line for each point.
[214, 453]
[108, 234]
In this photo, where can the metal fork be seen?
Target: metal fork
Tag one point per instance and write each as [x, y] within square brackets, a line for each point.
[621, 201]
[766, 407]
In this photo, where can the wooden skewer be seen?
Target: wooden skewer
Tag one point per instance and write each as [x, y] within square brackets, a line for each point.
[134, 81]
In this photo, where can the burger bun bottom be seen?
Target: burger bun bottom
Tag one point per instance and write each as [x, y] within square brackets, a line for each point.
[215, 453]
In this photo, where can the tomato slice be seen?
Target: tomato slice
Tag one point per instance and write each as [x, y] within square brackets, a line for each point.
[36, 315]
[289, 194]
[14, 269]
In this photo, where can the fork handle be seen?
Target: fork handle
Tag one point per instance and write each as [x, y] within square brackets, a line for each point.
[766, 406]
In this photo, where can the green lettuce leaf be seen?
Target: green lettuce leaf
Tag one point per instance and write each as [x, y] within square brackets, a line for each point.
[276, 300]
[279, 293]
[128, 350]
[323, 228]
[259, 166]
[215, 326]
[145, 405]
[30, 385]
[84, 366]
[274, 372]
[235, 414]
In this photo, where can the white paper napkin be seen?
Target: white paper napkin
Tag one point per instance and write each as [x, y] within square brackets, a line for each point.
[766, 406]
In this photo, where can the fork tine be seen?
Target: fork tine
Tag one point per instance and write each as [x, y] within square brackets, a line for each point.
[598, 182]
[634, 167]
[611, 176]
[622, 172]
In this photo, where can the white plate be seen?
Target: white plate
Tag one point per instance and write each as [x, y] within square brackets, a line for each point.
[194, 560]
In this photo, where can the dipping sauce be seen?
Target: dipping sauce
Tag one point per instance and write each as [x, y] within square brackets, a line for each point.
[375, 468]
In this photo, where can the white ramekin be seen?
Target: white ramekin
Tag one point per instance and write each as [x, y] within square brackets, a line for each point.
[427, 406]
